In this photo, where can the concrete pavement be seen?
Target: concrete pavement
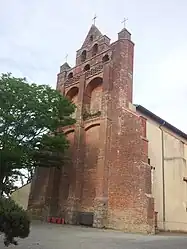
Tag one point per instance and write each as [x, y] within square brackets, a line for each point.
[49, 236]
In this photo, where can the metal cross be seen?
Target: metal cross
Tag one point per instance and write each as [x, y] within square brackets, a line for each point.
[94, 19]
[66, 57]
[124, 22]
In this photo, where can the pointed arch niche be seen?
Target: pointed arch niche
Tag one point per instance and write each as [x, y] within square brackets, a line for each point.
[93, 96]
[90, 164]
[67, 185]
[72, 95]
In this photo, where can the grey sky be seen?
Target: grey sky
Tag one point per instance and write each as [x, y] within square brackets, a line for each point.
[36, 35]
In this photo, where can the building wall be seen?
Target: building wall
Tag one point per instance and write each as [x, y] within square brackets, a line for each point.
[155, 156]
[111, 177]
[175, 187]
[90, 163]
[96, 97]
[170, 168]
[67, 175]
[21, 196]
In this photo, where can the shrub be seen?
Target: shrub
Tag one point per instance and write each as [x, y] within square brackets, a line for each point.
[14, 221]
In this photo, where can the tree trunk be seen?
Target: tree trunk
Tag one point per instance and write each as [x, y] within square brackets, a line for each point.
[2, 177]
[1, 187]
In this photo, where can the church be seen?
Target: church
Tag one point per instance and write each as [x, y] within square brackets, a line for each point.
[128, 166]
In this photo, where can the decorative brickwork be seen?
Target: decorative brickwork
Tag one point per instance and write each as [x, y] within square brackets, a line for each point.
[88, 115]
[73, 80]
[95, 70]
[108, 180]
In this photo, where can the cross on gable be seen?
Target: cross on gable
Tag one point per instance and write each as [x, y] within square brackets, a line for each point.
[66, 57]
[124, 22]
[94, 19]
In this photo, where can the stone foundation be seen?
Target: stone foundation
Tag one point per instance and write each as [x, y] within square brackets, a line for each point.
[100, 213]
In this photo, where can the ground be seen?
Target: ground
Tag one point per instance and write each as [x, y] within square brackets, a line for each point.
[48, 236]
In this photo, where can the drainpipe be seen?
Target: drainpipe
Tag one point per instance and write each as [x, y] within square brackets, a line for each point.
[163, 174]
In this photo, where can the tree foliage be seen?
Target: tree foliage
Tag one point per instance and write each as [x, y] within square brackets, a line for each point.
[14, 221]
[30, 120]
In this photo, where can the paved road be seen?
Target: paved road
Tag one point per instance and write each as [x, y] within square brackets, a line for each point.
[50, 236]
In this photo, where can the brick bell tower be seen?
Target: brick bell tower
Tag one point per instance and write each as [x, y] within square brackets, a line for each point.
[108, 183]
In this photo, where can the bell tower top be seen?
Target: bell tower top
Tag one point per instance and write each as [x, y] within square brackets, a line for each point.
[93, 35]
[94, 44]
[124, 34]
[97, 56]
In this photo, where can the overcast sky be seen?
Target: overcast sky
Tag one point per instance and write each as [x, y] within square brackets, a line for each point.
[36, 35]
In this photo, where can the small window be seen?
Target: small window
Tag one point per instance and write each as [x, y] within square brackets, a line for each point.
[95, 49]
[105, 58]
[91, 38]
[70, 75]
[83, 56]
[87, 67]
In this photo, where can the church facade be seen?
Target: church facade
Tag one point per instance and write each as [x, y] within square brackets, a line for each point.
[122, 155]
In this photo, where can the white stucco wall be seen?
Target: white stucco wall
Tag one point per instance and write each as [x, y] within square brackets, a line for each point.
[155, 155]
[175, 168]
[21, 196]
[175, 187]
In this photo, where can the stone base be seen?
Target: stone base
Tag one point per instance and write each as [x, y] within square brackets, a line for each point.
[71, 214]
[100, 212]
[38, 213]
[130, 221]
[72, 217]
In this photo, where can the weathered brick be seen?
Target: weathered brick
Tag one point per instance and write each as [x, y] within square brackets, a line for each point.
[109, 173]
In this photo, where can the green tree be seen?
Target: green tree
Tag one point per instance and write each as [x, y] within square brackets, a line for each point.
[30, 120]
[14, 221]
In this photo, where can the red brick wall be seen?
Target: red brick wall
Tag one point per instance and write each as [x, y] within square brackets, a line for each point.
[109, 174]
[39, 187]
[93, 95]
[72, 94]
[75, 100]
[129, 176]
[129, 183]
[90, 163]
[96, 97]
[67, 183]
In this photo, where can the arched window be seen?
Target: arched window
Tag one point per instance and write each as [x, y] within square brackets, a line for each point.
[95, 49]
[72, 95]
[105, 58]
[87, 67]
[83, 56]
[91, 38]
[93, 96]
[70, 75]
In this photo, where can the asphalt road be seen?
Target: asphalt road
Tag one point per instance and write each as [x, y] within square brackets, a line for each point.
[48, 236]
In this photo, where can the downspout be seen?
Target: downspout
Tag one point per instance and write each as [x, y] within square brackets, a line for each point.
[163, 174]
